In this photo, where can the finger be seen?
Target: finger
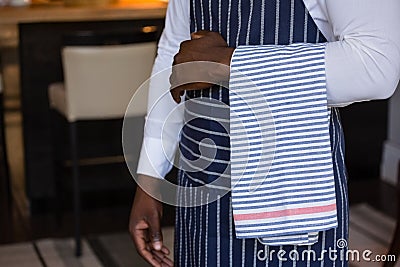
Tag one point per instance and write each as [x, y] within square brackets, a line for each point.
[198, 34]
[157, 261]
[139, 236]
[149, 257]
[191, 86]
[176, 95]
[157, 257]
[168, 261]
[165, 250]
[164, 261]
[155, 233]
[163, 258]
[174, 77]
[180, 90]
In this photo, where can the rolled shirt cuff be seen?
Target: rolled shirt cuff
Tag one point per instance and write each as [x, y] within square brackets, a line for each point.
[156, 157]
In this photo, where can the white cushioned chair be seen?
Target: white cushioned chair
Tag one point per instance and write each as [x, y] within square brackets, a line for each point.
[99, 82]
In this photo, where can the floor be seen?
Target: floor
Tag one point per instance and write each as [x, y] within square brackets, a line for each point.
[370, 230]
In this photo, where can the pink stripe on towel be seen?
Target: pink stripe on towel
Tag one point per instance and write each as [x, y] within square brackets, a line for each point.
[284, 213]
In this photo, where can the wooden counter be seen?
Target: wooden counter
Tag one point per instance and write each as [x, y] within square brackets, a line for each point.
[58, 12]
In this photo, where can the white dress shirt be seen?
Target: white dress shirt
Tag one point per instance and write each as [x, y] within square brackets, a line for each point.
[362, 61]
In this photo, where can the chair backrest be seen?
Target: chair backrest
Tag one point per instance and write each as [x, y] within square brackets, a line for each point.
[101, 80]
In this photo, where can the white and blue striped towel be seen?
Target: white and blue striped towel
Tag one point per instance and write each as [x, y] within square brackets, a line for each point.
[281, 162]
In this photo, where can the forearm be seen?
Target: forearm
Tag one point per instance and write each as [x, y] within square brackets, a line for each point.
[364, 63]
[163, 120]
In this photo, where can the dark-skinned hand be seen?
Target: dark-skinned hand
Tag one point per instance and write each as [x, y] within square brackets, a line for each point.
[145, 228]
[205, 46]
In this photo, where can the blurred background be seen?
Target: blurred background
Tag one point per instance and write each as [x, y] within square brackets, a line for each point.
[45, 206]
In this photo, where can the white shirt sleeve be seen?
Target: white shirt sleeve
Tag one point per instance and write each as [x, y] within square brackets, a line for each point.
[362, 57]
[364, 63]
[163, 121]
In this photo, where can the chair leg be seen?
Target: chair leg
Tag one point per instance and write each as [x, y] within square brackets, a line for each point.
[5, 171]
[76, 187]
[5, 184]
[58, 209]
[395, 245]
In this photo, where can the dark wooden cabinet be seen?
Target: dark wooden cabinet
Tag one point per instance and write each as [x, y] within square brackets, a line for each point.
[40, 63]
[365, 128]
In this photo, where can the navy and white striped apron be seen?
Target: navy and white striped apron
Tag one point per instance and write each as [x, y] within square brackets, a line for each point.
[205, 235]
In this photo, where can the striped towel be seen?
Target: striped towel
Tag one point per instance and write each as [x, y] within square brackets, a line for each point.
[281, 161]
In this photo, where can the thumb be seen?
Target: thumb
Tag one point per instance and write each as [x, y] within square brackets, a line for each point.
[156, 237]
[198, 34]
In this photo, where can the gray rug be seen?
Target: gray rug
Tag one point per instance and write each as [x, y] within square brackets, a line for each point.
[117, 250]
[47, 253]
[19, 255]
[370, 230]
[108, 250]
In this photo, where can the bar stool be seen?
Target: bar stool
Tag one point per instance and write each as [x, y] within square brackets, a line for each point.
[99, 82]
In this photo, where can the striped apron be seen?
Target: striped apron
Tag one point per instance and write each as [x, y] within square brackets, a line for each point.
[205, 235]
